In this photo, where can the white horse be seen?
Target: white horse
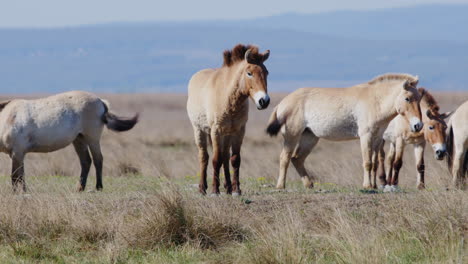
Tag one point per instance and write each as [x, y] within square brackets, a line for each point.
[457, 145]
[362, 111]
[52, 123]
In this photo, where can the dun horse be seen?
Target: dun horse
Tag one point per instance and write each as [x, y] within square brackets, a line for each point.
[457, 146]
[362, 111]
[218, 109]
[52, 123]
[399, 135]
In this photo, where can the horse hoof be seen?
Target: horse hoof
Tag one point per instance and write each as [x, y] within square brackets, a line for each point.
[392, 188]
[382, 187]
[236, 194]
[387, 188]
[214, 195]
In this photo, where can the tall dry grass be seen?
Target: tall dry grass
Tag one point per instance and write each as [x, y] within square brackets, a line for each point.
[151, 212]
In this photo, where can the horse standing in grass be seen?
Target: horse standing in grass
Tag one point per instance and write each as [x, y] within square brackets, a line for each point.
[218, 109]
[399, 135]
[362, 111]
[457, 146]
[52, 123]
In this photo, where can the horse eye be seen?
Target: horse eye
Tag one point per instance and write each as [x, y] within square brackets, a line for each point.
[431, 128]
[407, 99]
[249, 74]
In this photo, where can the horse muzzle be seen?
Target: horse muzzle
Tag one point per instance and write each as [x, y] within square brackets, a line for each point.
[416, 124]
[262, 100]
[439, 151]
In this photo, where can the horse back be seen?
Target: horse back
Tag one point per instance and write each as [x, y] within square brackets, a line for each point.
[50, 123]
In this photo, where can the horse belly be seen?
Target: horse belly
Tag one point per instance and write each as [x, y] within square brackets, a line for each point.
[55, 135]
[335, 129]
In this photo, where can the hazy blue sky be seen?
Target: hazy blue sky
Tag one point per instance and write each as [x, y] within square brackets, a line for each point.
[53, 13]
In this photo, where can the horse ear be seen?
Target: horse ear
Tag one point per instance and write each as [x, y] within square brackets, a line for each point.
[3, 104]
[247, 56]
[411, 84]
[406, 85]
[266, 54]
[429, 114]
[446, 114]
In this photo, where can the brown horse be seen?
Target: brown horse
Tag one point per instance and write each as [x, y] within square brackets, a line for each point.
[359, 112]
[218, 109]
[457, 146]
[52, 123]
[399, 135]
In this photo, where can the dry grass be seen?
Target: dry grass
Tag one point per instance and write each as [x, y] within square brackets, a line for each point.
[150, 210]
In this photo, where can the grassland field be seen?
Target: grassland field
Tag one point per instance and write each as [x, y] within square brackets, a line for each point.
[150, 210]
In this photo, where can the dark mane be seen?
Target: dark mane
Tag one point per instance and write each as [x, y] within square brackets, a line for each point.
[392, 77]
[3, 104]
[429, 100]
[237, 54]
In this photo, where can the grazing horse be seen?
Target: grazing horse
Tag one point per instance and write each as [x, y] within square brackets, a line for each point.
[362, 111]
[52, 123]
[457, 145]
[218, 109]
[399, 135]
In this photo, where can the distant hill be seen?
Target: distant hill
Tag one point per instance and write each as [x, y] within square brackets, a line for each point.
[427, 22]
[332, 49]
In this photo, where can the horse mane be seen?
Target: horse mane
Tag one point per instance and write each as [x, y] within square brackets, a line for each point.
[3, 104]
[394, 77]
[237, 54]
[429, 100]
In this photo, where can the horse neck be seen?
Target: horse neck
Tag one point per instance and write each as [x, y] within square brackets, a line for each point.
[236, 98]
[385, 97]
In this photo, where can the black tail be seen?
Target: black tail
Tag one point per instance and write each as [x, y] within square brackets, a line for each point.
[274, 125]
[449, 144]
[116, 123]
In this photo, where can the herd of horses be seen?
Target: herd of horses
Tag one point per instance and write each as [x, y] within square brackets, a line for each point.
[389, 108]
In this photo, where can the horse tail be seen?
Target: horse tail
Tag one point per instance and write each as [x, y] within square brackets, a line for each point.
[117, 123]
[274, 124]
[449, 144]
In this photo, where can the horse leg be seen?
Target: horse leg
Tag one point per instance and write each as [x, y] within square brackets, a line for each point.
[306, 144]
[17, 171]
[389, 163]
[381, 165]
[375, 167]
[236, 144]
[81, 148]
[419, 158]
[201, 141]
[218, 159]
[458, 170]
[289, 144]
[366, 151]
[227, 173]
[98, 160]
[399, 148]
